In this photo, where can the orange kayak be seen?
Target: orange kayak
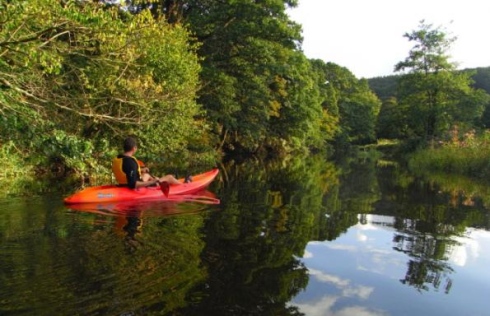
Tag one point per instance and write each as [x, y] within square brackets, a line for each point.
[172, 205]
[112, 193]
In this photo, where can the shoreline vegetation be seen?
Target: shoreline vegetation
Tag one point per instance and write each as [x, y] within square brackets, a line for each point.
[467, 156]
[199, 83]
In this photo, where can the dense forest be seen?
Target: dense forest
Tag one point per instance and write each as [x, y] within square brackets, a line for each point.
[197, 80]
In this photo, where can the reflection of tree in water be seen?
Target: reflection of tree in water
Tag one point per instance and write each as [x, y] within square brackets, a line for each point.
[423, 272]
[354, 193]
[427, 247]
[427, 265]
[427, 240]
[102, 265]
[252, 244]
[426, 220]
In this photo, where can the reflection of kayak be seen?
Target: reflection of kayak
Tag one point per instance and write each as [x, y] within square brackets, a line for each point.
[128, 216]
[165, 206]
[112, 193]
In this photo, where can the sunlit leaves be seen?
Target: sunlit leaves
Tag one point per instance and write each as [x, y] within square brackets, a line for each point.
[106, 72]
[434, 95]
[348, 101]
[256, 88]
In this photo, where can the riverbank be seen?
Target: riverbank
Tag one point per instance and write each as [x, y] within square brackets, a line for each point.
[469, 157]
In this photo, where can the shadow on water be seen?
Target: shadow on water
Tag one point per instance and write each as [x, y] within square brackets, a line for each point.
[242, 257]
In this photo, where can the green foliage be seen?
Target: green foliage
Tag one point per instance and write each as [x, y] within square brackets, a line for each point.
[69, 151]
[429, 53]
[330, 99]
[468, 156]
[299, 117]
[481, 78]
[434, 96]
[384, 87]
[391, 122]
[92, 74]
[12, 158]
[471, 162]
[258, 90]
[352, 101]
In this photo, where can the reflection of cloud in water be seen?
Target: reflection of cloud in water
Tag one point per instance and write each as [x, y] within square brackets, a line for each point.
[324, 277]
[341, 247]
[358, 311]
[375, 222]
[458, 255]
[367, 226]
[370, 247]
[370, 256]
[381, 259]
[324, 307]
[307, 254]
[470, 247]
[361, 237]
[360, 291]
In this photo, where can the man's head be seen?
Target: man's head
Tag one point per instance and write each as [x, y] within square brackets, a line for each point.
[129, 144]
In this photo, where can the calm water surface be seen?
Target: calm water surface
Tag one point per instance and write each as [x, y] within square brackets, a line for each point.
[354, 237]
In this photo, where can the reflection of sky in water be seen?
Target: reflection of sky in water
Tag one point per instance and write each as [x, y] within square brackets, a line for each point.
[359, 274]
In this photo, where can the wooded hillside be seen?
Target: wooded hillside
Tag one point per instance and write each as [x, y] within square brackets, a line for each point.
[385, 87]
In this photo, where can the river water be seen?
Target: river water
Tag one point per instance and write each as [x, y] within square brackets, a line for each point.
[303, 237]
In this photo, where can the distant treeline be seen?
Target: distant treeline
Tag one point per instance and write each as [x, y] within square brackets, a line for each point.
[391, 121]
[385, 87]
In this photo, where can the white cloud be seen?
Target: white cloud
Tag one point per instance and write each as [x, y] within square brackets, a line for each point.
[363, 292]
[458, 256]
[358, 311]
[361, 237]
[347, 290]
[367, 226]
[321, 307]
[341, 247]
[324, 277]
[307, 254]
[471, 247]
[325, 306]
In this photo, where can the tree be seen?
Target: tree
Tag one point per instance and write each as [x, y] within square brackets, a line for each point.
[105, 72]
[432, 92]
[257, 87]
[391, 121]
[356, 104]
[481, 77]
[330, 97]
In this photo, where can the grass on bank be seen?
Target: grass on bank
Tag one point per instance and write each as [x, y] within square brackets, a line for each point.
[468, 156]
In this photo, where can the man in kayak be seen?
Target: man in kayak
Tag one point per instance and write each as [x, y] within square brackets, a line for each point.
[128, 171]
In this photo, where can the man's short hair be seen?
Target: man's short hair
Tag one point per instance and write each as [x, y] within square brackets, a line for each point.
[129, 144]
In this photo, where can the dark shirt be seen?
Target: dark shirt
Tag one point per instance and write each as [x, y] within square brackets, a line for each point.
[130, 168]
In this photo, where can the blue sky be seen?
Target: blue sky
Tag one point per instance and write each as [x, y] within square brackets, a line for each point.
[367, 36]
